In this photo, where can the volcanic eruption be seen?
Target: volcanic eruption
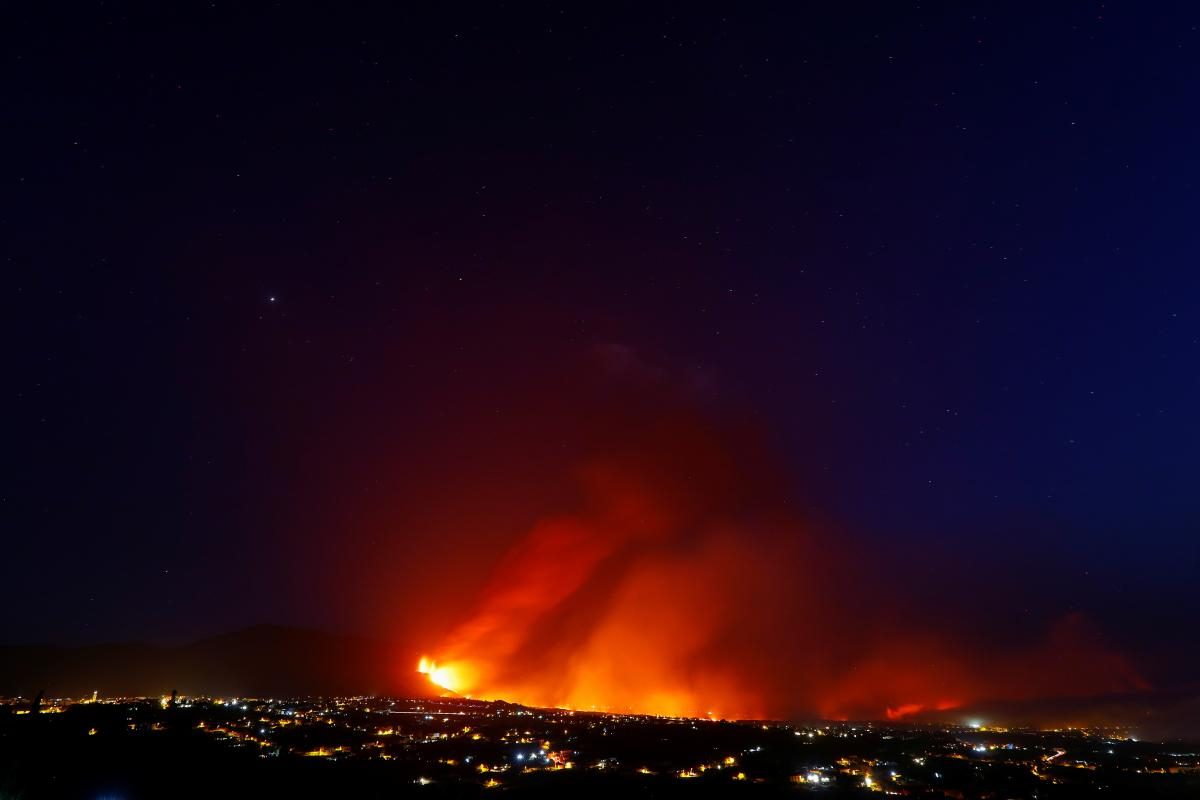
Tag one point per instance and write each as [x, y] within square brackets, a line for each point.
[685, 583]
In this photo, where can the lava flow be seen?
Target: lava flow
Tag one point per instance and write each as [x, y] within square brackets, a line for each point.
[445, 676]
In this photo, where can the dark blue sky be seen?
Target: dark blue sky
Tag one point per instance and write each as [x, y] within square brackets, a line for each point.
[286, 289]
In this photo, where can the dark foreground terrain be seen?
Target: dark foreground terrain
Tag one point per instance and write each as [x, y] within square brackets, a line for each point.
[374, 747]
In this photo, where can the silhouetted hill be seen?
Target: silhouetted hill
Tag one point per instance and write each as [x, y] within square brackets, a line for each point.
[260, 661]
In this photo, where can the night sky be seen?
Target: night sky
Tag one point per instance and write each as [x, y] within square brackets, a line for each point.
[304, 307]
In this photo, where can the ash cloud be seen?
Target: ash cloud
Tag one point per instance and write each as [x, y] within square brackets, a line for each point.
[684, 582]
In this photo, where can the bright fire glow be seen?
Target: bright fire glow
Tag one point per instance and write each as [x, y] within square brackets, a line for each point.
[679, 584]
[446, 676]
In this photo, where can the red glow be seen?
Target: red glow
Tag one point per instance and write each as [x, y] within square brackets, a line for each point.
[912, 709]
[682, 585]
[906, 710]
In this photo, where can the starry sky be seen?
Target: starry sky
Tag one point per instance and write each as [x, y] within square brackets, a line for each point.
[297, 300]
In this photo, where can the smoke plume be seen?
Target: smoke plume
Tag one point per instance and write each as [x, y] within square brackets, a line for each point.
[685, 583]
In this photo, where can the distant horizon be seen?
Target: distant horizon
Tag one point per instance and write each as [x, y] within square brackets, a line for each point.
[967, 723]
[1139, 709]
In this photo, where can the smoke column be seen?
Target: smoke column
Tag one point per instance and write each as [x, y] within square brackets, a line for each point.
[684, 584]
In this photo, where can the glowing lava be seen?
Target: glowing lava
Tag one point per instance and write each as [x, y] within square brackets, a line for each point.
[445, 676]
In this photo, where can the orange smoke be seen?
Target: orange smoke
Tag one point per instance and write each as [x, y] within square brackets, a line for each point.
[615, 609]
[683, 585]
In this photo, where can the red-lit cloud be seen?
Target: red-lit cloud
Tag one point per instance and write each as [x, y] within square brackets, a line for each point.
[683, 584]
